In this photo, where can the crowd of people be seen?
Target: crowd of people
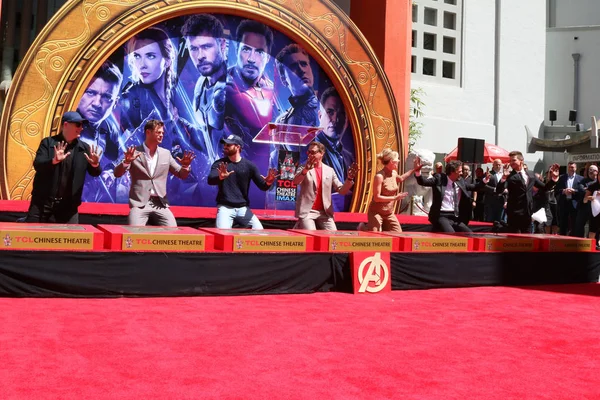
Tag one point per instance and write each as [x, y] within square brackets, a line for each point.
[63, 161]
[526, 202]
[521, 201]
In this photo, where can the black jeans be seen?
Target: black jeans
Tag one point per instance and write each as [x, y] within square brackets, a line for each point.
[449, 223]
[519, 223]
[55, 210]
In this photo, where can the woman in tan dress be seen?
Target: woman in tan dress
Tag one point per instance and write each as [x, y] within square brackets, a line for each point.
[385, 194]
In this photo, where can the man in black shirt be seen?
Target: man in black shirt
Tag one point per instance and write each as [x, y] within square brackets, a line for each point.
[60, 164]
[233, 174]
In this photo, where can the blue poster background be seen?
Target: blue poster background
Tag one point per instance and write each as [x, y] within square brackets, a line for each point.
[156, 76]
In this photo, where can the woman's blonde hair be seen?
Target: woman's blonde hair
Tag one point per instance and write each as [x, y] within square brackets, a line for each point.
[387, 155]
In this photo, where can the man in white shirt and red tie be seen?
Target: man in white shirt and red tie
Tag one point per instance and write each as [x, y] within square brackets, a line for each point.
[519, 184]
[568, 192]
[451, 197]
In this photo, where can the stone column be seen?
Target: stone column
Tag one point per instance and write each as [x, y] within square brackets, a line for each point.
[387, 25]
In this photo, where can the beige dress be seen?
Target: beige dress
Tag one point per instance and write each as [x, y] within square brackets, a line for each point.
[381, 215]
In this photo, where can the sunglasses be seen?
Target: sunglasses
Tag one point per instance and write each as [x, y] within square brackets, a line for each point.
[313, 152]
[77, 124]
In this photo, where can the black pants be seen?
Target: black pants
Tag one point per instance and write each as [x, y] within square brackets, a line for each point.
[60, 211]
[567, 217]
[519, 223]
[449, 223]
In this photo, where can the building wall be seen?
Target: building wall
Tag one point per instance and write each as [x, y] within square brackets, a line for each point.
[562, 44]
[576, 30]
[518, 100]
[521, 73]
[576, 12]
[466, 110]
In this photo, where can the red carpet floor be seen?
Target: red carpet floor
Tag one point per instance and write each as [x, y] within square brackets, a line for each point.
[477, 343]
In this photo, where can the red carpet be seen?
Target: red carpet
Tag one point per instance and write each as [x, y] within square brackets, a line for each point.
[478, 343]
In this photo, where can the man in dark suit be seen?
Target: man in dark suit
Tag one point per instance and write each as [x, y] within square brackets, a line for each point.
[60, 164]
[493, 203]
[568, 191]
[519, 184]
[451, 197]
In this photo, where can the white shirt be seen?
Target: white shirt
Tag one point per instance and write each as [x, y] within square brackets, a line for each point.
[570, 179]
[448, 199]
[152, 163]
[525, 177]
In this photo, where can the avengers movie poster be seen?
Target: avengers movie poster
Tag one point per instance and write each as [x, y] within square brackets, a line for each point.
[207, 76]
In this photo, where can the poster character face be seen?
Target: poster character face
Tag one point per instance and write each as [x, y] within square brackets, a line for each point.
[98, 100]
[333, 116]
[298, 75]
[252, 56]
[147, 60]
[206, 53]
[206, 46]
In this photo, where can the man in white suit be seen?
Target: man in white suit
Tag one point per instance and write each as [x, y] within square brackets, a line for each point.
[149, 166]
[317, 182]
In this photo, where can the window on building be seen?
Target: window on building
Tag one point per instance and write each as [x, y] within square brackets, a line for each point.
[428, 66]
[437, 41]
[448, 69]
[429, 41]
[449, 20]
[449, 45]
[430, 17]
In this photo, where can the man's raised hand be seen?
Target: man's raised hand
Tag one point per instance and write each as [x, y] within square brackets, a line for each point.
[188, 157]
[310, 162]
[417, 165]
[131, 154]
[223, 173]
[271, 176]
[506, 171]
[353, 171]
[94, 157]
[59, 152]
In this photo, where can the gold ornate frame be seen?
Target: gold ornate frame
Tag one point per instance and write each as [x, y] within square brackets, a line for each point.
[84, 33]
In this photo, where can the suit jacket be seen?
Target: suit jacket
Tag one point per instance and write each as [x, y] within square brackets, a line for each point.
[308, 188]
[490, 196]
[520, 196]
[438, 183]
[562, 184]
[47, 175]
[141, 180]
